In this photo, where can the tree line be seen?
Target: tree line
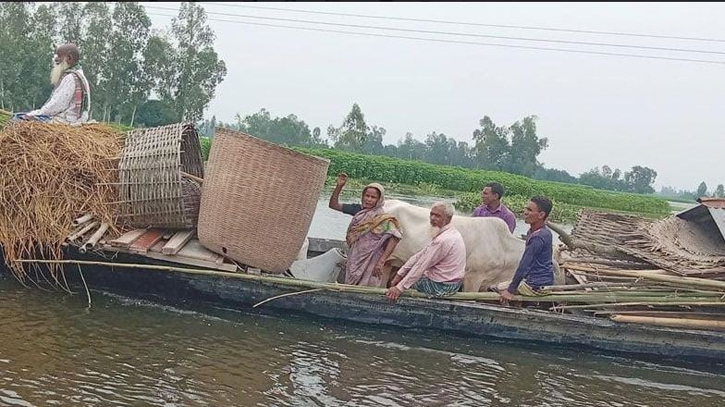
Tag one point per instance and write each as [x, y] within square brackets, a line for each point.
[513, 149]
[701, 191]
[125, 60]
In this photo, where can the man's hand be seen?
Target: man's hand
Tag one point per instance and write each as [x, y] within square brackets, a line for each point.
[341, 179]
[506, 296]
[393, 293]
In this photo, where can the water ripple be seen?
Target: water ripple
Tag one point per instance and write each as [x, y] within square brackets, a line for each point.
[126, 352]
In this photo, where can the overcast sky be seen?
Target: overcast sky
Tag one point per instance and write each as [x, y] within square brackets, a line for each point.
[594, 109]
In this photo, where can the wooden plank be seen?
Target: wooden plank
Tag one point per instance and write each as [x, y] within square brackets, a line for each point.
[158, 246]
[178, 241]
[191, 262]
[128, 238]
[150, 238]
[194, 250]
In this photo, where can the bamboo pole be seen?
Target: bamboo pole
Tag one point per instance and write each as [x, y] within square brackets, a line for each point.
[194, 177]
[575, 267]
[83, 219]
[641, 303]
[659, 313]
[700, 282]
[83, 231]
[594, 298]
[487, 296]
[94, 238]
[671, 322]
[314, 290]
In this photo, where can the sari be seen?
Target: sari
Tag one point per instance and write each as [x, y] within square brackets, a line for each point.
[367, 237]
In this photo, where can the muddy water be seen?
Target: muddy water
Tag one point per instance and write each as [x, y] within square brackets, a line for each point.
[54, 351]
[123, 352]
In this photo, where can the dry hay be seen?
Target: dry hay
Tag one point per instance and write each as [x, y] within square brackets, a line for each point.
[51, 174]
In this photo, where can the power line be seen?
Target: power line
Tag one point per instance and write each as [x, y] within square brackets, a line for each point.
[520, 27]
[499, 37]
[705, 61]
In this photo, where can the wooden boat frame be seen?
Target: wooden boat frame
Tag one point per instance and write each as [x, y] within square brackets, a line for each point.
[158, 278]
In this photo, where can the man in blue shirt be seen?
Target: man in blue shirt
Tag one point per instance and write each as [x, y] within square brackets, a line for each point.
[535, 269]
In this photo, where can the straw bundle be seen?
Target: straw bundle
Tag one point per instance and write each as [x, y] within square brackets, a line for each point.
[50, 174]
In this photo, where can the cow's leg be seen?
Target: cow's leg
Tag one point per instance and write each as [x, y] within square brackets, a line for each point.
[472, 281]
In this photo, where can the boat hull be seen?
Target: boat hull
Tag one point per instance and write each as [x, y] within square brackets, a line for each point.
[469, 318]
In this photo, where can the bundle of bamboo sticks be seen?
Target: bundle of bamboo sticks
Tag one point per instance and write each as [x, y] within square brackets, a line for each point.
[653, 296]
[50, 174]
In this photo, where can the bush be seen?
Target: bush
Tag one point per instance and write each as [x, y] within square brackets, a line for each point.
[394, 170]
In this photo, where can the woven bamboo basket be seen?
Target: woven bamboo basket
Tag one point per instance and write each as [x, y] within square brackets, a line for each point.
[152, 191]
[258, 200]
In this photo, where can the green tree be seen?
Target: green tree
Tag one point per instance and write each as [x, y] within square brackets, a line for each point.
[439, 149]
[317, 140]
[604, 179]
[461, 153]
[198, 68]
[160, 66]
[154, 113]
[411, 149]
[15, 29]
[289, 130]
[492, 148]
[96, 53]
[552, 174]
[70, 16]
[640, 179]
[374, 141]
[353, 132]
[702, 189]
[128, 85]
[525, 146]
[36, 66]
[720, 191]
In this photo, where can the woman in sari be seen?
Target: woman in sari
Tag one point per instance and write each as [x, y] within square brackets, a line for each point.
[371, 236]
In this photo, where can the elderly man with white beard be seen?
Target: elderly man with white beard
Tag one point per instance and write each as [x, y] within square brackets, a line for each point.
[438, 269]
[71, 97]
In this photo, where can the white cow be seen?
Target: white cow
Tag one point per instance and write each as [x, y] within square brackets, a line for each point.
[492, 252]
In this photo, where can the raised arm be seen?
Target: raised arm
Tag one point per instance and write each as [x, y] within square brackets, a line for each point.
[335, 197]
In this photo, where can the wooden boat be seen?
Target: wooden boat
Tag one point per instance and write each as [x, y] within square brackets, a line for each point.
[183, 272]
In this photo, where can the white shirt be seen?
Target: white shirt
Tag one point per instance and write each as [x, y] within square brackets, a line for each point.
[60, 107]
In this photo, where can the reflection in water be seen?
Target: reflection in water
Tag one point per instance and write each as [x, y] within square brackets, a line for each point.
[126, 352]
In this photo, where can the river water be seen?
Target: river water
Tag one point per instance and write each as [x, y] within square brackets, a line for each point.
[55, 351]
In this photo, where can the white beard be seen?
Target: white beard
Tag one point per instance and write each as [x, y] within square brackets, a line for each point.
[433, 231]
[57, 72]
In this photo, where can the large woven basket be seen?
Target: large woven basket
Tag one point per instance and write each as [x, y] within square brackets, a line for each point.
[258, 200]
[152, 190]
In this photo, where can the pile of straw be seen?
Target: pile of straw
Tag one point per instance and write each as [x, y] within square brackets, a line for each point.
[50, 174]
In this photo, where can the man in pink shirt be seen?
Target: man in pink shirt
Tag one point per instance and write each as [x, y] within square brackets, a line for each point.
[439, 268]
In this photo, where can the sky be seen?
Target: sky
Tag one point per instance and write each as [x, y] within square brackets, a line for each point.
[594, 109]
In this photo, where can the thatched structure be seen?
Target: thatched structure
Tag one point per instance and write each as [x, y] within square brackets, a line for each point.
[50, 175]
